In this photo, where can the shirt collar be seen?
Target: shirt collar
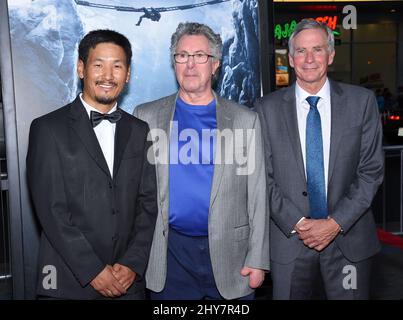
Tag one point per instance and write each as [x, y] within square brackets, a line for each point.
[301, 94]
[89, 108]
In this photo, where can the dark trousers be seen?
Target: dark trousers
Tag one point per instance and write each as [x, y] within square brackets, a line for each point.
[189, 271]
[316, 275]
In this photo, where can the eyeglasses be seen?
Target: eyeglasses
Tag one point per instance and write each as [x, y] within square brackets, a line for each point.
[198, 58]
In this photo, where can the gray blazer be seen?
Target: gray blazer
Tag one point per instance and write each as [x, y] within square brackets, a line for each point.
[238, 223]
[355, 170]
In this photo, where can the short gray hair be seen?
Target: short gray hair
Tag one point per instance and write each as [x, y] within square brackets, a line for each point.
[197, 29]
[306, 24]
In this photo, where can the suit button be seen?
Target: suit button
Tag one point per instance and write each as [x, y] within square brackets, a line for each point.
[110, 185]
[115, 237]
[304, 193]
[113, 212]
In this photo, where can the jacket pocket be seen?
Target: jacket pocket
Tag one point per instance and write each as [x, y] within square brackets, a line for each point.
[241, 232]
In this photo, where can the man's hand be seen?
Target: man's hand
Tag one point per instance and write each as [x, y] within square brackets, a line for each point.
[299, 224]
[124, 275]
[106, 284]
[317, 233]
[256, 276]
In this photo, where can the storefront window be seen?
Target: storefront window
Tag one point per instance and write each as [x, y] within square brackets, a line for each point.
[340, 70]
[374, 56]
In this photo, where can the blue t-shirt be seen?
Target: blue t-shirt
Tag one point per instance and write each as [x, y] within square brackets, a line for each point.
[191, 168]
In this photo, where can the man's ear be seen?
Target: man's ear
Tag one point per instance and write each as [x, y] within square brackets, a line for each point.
[216, 65]
[80, 68]
[128, 74]
[331, 58]
[291, 60]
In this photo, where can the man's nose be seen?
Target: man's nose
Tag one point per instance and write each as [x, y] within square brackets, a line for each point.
[191, 62]
[309, 56]
[108, 73]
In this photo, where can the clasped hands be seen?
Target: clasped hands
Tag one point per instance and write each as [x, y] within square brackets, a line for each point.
[113, 281]
[317, 233]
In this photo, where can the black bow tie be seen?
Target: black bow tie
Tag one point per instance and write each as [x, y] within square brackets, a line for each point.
[97, 117]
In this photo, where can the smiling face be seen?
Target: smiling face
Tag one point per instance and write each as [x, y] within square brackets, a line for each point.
[195, 79]
[105, 74]
[311, 59]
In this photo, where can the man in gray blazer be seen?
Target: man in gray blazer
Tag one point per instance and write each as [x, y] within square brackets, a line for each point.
[211, 236]
[324, 161]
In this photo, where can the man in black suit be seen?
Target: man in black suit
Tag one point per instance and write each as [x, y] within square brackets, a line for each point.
[92, 186]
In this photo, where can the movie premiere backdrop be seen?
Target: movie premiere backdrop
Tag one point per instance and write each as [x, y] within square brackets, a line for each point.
[45, 35]
[41, 67]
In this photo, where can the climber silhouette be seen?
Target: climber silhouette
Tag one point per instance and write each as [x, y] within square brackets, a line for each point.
[152, 14]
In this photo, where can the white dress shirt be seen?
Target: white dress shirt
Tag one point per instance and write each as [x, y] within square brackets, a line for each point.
[324, 108]
[105, 132]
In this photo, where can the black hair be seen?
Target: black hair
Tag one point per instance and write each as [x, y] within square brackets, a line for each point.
[95, 37]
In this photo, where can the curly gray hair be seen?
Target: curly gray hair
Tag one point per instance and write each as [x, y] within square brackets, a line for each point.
[194, 28]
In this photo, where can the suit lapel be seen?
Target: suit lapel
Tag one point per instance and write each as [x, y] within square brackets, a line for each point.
[289, 111]
[224, 121]
[338, 107]
[122, 135]
[81, 124]
[165, 117]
